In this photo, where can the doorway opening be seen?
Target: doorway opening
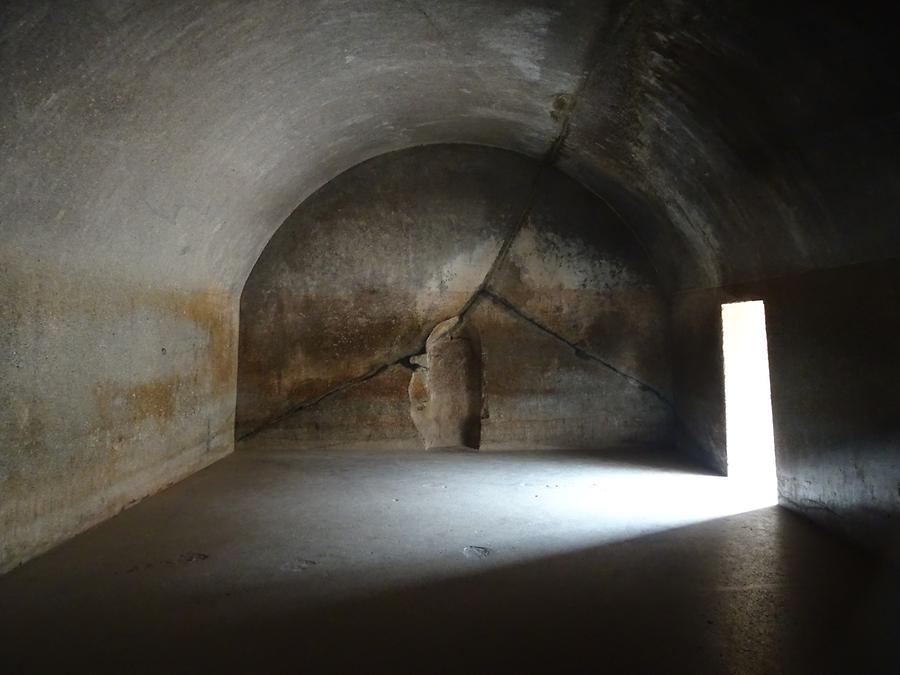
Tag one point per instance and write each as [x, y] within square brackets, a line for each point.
[748, 403]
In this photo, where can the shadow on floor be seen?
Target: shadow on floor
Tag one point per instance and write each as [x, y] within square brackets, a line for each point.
[689, 600]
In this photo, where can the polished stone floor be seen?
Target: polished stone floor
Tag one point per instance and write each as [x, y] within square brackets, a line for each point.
[623, 561]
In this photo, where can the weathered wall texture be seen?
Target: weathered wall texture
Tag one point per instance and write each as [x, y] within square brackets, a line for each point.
[445, 390]
[835, 375]
[362, 272]
[541, 393]
[111, 390]
[836, 396]
[365, 268]
[156, 146]
[373, 414]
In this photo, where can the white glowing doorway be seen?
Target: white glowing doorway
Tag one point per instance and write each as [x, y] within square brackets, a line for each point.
[748, 403]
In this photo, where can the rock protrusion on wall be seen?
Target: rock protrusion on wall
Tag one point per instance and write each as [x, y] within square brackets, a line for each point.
[445, 388]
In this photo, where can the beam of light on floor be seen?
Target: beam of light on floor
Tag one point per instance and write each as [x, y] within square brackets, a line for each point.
[421, 515]
[594, 505]
[748, 403]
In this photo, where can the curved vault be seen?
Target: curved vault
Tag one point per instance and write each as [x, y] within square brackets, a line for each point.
[148, 151]
[572, 318]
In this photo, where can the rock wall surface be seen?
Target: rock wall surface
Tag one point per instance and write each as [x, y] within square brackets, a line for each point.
[152, 148]
[112, 389]
[835, 380]
[572, 324]
[445, 390]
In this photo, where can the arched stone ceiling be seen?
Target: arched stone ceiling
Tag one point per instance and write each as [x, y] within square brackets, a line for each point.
[176, 137]
[150, 148]
[170, 139]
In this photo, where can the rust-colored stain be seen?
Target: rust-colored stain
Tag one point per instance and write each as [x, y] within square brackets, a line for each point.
[82, 455]
[295, 346]
[99, 304]
[418, 393]
[129, 405]
[376, 409]
[212, 311]
[165, 398]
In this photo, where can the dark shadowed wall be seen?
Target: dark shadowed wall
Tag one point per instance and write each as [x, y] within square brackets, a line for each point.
[835, 376]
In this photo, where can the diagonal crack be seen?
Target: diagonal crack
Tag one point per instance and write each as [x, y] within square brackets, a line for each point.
[564, 105]
[346, 385]
[404, 361]
[581, 352]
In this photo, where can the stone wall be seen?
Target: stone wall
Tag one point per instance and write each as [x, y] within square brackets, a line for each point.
[835, 380]
[150, 149]
[113, 388]
[573, 326]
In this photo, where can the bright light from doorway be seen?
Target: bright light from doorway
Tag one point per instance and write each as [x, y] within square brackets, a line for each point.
[748, 403]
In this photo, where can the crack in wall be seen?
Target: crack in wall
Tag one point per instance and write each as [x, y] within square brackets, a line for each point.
[579, 351]
[564, 105]
[404, 361]
[627, 21]
[346, 385]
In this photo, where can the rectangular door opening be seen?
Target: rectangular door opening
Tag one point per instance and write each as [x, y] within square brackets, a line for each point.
[748, 403]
